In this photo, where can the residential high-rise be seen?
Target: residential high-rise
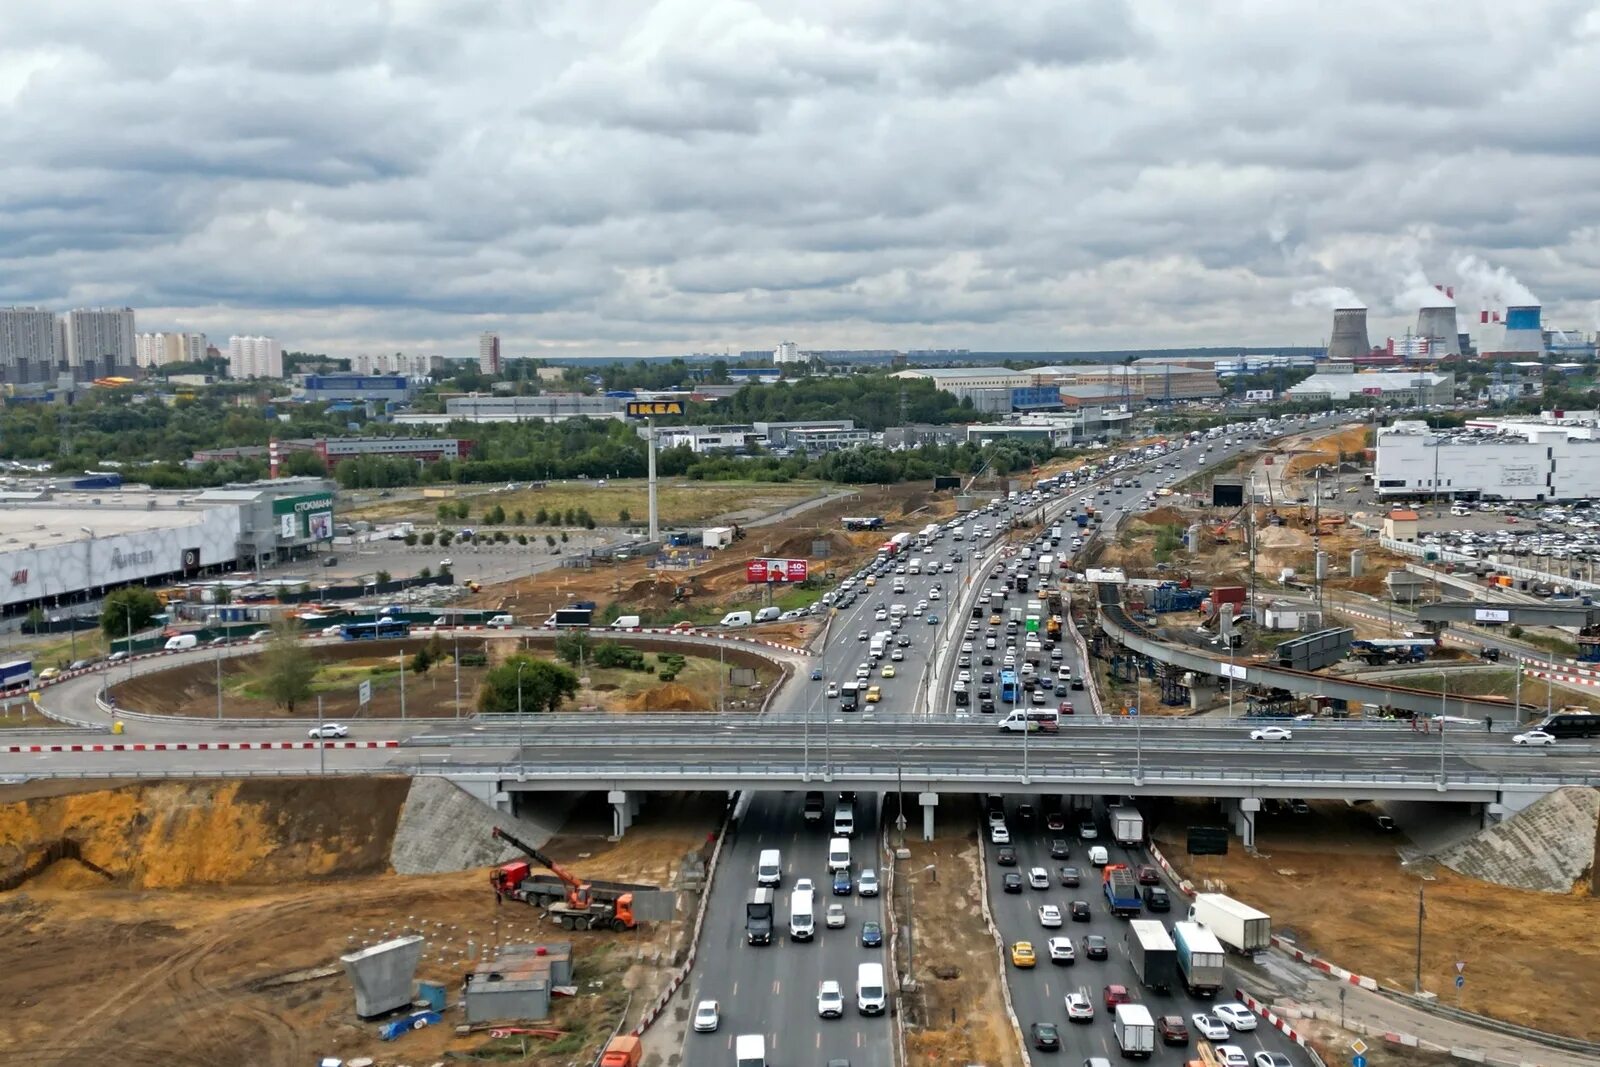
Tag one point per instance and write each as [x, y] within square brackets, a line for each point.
[100, 341]
[489, 353]
[412, 365]
[28, 345]
[787, 352]
[254, 357]
[159, 349]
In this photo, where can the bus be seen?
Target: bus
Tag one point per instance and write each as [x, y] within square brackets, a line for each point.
[1033, 720]
[1008, 686]
[1570, 724]
[375, 631]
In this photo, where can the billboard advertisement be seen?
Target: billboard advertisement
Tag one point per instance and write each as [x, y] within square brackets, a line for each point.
[1261, 396]
[304, 518]
[776, 570]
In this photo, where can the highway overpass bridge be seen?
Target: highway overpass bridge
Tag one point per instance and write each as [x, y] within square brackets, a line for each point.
[1489, 614]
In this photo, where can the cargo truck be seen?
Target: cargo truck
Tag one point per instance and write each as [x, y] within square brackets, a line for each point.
[16, 675]
[1127, 825]
[1238, 926]
[1135, 1030]
[1153, 955]
[1200, 959]
[758, 917]
[1122, 891]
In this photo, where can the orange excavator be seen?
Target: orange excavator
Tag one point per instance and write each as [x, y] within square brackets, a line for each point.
[575, 904]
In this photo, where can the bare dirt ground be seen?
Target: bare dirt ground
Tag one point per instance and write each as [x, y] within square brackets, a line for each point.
[959, 1016]
[192, 689]
[118, 970]
[1338, 888]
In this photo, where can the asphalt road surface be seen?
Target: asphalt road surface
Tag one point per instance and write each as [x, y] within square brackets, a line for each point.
[772, 989]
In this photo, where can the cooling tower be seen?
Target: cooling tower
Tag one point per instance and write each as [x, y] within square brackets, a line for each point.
[1349, 334]
[1523, 333]
[1438, 325]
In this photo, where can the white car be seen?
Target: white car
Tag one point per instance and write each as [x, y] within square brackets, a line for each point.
[707, 1016]
[933, 594]
[1232, 1056]
[1049, 916]
[1272, 1059]
[861, 636]
[328, 729]
[1271, 733]
[804, 884]
[867, 883]
[1237, 1016]
[1079, 1007]
[1061, 950]
[1038, 878]
[447, 562]
[830, 1001]
[1534, 737]
[835, 917]
[1209, 1027]
[898, 655]
[999, 835]
[833, 689]
[864, 671]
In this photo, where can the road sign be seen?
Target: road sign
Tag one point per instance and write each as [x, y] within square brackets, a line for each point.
[1359, 1047]
[1461, 966]
[1358, 1060]
[364, 693]
[1461, 980]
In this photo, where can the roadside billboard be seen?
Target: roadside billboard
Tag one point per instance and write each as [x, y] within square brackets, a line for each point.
[1259, 396]
[304, 518]
[776, 570]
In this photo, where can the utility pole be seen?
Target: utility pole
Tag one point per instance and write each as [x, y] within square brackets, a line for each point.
[322, 743]
[456, 632]
[1421, 912]
[650, 448]
[219, 683]
[402, 685]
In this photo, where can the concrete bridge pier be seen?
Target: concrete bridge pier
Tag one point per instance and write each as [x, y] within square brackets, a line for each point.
[1242, 814]
[624, 807]
[930, 804]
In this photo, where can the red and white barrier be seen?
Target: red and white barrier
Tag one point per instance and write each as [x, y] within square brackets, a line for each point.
[199, 746]
[1272, 1018]
[1325, 966]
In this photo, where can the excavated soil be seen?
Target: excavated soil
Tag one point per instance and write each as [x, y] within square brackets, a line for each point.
[1335, 885]
[219, 971]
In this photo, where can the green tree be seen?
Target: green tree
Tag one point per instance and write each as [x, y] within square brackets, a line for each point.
[383, 576]
[623, 516]
[573, 646]
[550, 541]
[421, 661]
[286, 669]
[128, 610]
[522, 539]
[428, 537]
[563, 537]
[541, 517]
[463, 509]
[425, 573]
[519, 518]
[544, 685]
[445, 537]
[445, 511]
[571, 517]
[304, 465]
[411, 540]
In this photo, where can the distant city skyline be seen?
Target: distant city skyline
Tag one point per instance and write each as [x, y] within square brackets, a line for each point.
[608, 180]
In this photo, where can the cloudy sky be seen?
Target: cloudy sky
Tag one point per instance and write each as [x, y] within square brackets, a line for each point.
[612, 177]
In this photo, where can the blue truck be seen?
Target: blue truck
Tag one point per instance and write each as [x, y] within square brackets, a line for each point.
[16, 676]
[1201, 964]
[1122, 891]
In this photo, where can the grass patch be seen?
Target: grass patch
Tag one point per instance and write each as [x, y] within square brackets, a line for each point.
[676, 504]
[330, 678]
[1497, 683]
[57, 650]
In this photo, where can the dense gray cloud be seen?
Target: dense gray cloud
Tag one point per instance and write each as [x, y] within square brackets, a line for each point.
[613, 176]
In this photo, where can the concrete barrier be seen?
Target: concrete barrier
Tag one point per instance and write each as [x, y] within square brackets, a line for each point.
[1000, 946]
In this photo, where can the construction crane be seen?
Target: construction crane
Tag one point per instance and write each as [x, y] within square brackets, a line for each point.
[576, 905]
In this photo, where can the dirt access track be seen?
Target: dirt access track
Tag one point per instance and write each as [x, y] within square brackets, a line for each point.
[198, 925]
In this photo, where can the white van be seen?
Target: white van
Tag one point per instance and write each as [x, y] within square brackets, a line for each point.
[768, 613]
[501, 622]
[844, 821]
[626, 622]
[182, 641]
[769, 868]
[871, 997]
[839, 854]
[1098, 856]
[802, 915]
[750, 1050]
[736, 618]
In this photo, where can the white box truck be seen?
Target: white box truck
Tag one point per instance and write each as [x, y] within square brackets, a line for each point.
[1238, 926]
[716, 537]
[802, 915]
[1135, 1030]
[1127, 825]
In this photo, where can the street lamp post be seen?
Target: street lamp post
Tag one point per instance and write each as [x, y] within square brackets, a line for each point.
[521, 722]
[456, 634]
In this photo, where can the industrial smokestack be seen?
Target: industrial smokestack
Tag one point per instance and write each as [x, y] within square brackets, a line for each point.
[1523, 332]
[1349, 334]
[1438, 325]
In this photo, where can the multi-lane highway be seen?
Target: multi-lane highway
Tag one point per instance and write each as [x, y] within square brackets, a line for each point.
[1038, 993]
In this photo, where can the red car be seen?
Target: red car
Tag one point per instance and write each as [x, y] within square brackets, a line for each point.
[1149, 875]
[1055, 821]
[1117, 994]
[1064, 708]
[1172, 1030]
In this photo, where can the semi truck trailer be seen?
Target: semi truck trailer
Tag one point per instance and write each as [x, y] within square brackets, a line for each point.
[1238, 926]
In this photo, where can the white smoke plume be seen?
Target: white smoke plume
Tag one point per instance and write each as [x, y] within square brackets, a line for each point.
[1417, 292]
[1492, 287]
[1331, 297]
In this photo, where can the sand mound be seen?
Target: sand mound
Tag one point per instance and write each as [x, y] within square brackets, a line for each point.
[667, 697]
[1164, 516]
[1548, 846]
[1282, 537]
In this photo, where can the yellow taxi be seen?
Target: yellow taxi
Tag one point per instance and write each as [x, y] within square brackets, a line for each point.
[874, 694]
[1022, 954]
[888, 670]
[872, 580]
[994, 620]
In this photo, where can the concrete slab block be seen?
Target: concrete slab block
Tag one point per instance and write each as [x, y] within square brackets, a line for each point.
[382, 975]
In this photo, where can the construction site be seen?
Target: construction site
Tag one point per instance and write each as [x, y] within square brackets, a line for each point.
[229, 922]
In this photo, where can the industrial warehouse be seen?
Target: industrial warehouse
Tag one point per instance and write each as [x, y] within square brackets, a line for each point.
[59, 545]
[1500, 460]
